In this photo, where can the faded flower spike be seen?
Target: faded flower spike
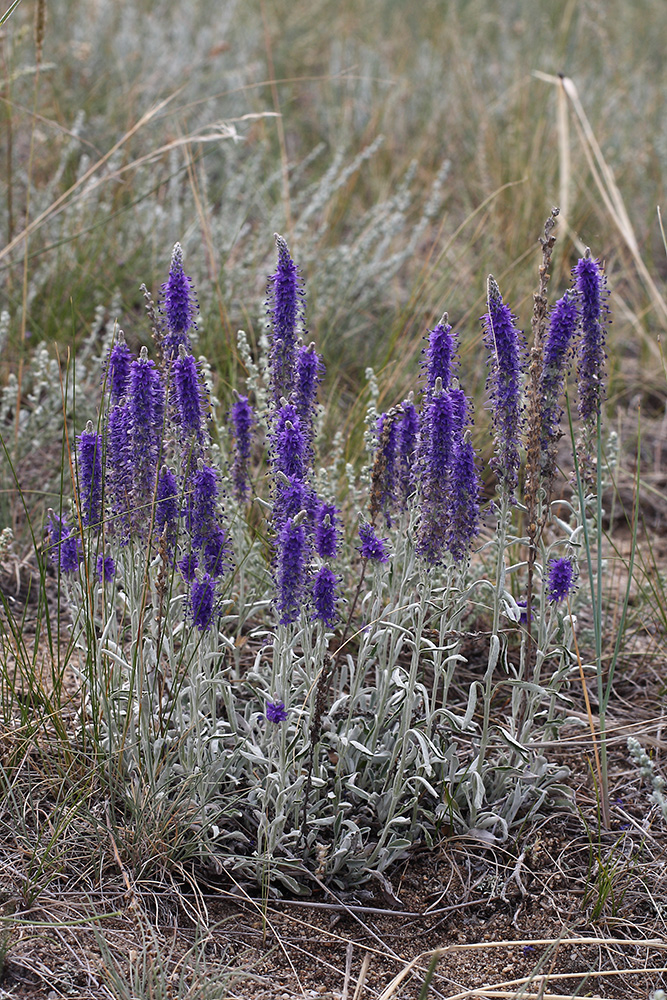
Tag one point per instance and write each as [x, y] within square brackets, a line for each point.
[276, 711]
[180, 305]
[408, 430]
[560, 580]
[506, 350]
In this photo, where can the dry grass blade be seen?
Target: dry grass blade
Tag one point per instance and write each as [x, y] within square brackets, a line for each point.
[605, 183]
[59, 202]
[541, 979]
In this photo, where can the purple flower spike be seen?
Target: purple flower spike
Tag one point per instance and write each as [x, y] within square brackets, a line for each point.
[180, 305]
[276, 711]
[438, 452]
[63, 544]
[561, 579]
[242, 422]
[119, 484]
[202, 603]
[439, 355]
[167, 506]
[188, 566]
[292, 496]
[309, 373]
[106, 568]
[325, 592]
[460, 409]
[590, 285]
[90, 475]
[188, 392]
[285, 307]
[118, 368]
[202, 503]
[290, 444]
[216, 551]
[507, 350]
[557, 347]
[292, 566]
[326, 531]
[372, 547]
[463, 519]
[145, 417]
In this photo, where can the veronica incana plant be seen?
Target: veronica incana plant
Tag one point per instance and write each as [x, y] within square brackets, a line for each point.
[349, 733]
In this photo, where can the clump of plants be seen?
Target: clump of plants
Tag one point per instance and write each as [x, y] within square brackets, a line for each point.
[270, 642]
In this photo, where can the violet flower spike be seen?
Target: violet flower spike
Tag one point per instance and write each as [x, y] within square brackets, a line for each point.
[63, 544]
[436, 450]
[291, 569]
[90, 475]
[145, 417]
[201, 504]
[119, 472]
[560, 579]
[292, 496]
[506, 350]
[290, 443]
[326, 530]
[188, 392]
[217, 550]
[557, 348]
[242, 422]
[590, 284]
[372, 548]
[202, 602]
[276, 711]
[118, 368]
[463, 501]
[188, 566]
[167, 506]
[309, 371]
[106, 568]
[180, 306]
[439, 355]
[325, 594]
[285, 307]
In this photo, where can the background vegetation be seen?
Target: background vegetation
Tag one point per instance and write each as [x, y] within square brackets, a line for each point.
[413, 153]
[404, 154]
